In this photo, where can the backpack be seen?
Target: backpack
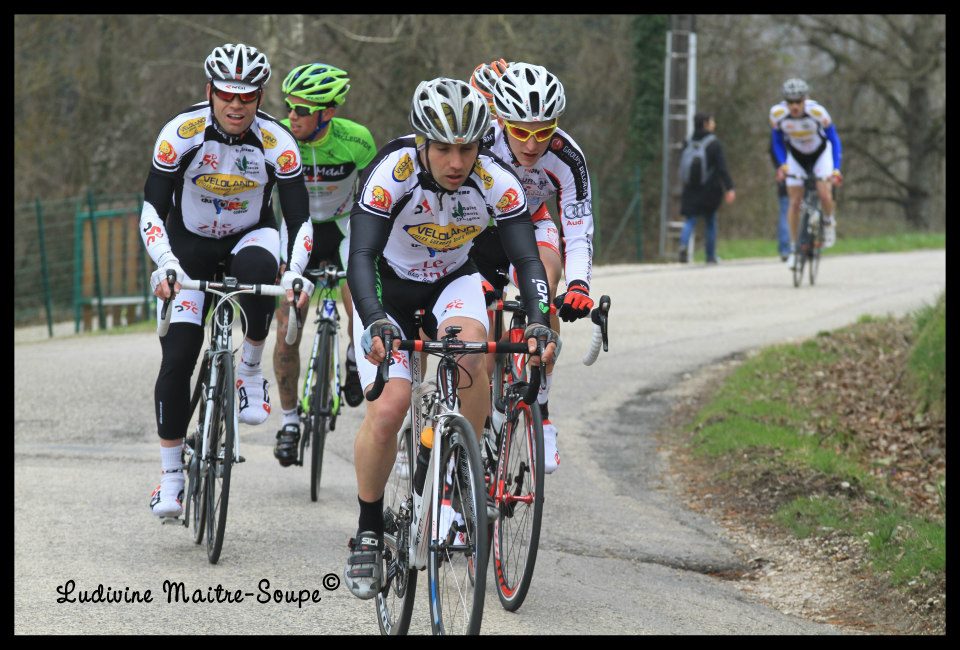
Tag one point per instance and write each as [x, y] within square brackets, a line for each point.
[696, 150]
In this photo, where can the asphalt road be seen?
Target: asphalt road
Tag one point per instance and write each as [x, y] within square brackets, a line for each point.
[618, 554]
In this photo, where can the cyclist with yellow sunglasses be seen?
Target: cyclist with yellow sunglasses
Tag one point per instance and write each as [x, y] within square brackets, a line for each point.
[334, 151]
[529, 101]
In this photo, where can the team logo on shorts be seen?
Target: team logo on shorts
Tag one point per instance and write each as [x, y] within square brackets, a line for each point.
[508, 201]
[192, 127]
[287, 161]
[404, 168]
[380, 198]
[166, 153]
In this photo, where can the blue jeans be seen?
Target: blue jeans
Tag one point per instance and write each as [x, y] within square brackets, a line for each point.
[783, 229]
[711, 234]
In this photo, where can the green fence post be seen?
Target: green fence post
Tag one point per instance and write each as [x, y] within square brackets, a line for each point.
[77, 266]
[101, 317]
[44, 273]
[639, 228]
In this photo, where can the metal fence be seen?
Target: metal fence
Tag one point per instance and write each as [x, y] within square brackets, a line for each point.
[81, 259]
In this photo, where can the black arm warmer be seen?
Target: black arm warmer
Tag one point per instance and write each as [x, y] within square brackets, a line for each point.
[520, 244]
[368, 237]
[158, 192]
[295, 205]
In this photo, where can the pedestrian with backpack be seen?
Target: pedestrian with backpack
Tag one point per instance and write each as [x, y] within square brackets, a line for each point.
[706, 184]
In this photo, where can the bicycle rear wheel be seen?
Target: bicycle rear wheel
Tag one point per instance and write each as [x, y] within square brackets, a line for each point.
[220, 462]
[320, 402]
[395, 600]
[520, 482]
[457, 562]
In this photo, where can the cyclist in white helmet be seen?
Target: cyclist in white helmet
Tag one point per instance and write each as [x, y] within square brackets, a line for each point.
[207, 203]
[529, 101]
[422, 200]
[805, 143]
[334, 151]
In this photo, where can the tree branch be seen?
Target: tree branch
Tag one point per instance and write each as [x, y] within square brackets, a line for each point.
[834, 29]
[880, 165]
[398, 26]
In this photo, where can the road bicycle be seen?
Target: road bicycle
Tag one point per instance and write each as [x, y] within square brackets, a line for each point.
[320, 397]
[444, 530]
[210, 452]
[513, 455]
[810, 240]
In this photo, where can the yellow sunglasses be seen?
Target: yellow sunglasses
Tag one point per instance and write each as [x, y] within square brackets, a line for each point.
[522, 134]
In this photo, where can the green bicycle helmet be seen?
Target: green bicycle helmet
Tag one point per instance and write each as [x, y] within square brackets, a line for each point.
[317, 82]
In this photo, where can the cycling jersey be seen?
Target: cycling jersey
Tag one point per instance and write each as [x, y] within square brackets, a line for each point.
[331, 165]
[211, 184]
[561, 170]
[406, 223]
[805, 136]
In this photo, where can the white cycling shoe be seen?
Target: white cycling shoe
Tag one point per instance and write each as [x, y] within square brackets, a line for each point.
[167, 501]
[253, 398]
[829, 233]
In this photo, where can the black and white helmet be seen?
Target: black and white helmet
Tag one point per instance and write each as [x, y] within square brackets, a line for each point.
[528, 93]
[237, 68]
[450, 111]
[794, 89]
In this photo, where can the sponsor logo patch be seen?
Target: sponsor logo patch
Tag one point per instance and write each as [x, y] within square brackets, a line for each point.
[166, 153]
[192, 127]
[224, 184]
[577, 210]
[556, 144]
[211, 160]
[403, 169]
[246, 166]
[442, 238]
[483, 174]
[287, 161]
[269, 140]
[380, 198]
[238, 207]
[508, 201]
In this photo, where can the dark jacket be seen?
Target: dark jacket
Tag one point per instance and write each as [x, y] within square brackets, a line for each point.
[705, 199]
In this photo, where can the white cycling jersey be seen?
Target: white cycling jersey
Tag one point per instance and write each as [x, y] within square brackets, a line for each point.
[806, 133]
[560, 171]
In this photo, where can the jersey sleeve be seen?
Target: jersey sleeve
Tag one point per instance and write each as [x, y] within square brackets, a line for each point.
[574, 198]
[777, 113]
[368, 149]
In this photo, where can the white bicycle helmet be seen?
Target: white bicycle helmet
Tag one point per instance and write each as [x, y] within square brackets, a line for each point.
[450, 111]
[528, 93]
[237, 68]
[794, 89]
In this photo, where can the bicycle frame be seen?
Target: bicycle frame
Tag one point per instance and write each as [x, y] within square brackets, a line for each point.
[326, 312]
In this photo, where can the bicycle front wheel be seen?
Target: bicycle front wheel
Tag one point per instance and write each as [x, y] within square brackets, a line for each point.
[519, 489]
[395, 600]
[816, 244]
[457, 562]
[222, 434]
[196, 496]
[320, 402]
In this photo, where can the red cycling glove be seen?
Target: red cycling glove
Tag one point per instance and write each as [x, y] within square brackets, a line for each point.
[575, 302]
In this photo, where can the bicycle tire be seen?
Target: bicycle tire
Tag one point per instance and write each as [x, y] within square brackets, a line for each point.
[395, 600]
[457, 562]
[320, 402]
[220, 462]
[816, 242]
[520, 471]
[802, 251]
[196, 495]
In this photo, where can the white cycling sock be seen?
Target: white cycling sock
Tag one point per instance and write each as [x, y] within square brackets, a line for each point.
[290, 417]
[170, 459]
[172, 479]
[544, 395]
[250, 358]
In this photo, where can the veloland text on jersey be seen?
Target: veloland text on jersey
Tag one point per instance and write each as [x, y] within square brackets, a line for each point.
[179, 592]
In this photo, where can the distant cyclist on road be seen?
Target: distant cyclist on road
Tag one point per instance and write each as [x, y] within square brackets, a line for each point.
[805, 143]
[206, 202]
[333, 151]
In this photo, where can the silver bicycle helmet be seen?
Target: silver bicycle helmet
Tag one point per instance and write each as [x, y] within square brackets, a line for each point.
[528, 93]
[450, 111]
[237, 68]
[794, 89]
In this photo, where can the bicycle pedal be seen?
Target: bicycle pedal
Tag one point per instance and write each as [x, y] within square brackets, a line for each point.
[241, 459]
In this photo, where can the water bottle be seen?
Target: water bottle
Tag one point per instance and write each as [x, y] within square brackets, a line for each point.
[423, 458]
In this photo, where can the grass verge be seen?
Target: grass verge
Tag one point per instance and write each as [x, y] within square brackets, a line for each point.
[743, 248]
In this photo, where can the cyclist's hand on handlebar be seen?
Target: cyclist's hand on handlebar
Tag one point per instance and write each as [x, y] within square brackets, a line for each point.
[287, 283]
[551, 340]
[372, 340]
[490, 293]
[158, 280]
[837, 177]
[574, 303]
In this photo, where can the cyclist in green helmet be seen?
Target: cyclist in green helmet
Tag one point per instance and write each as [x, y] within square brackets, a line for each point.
[333, 151]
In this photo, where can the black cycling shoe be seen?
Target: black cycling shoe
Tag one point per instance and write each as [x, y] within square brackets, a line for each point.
[286, 448]
[352, 390]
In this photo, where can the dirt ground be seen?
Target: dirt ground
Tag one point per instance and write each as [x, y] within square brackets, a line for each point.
[826, 578]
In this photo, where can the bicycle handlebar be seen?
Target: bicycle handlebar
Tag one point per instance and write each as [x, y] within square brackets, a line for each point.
[455, 346]
[599, 316]
[163, 324]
